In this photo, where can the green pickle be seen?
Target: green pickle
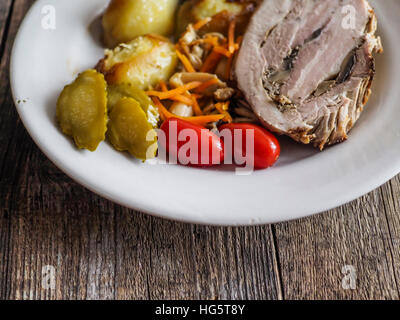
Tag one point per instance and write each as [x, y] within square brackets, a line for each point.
[129, 129]
[82, 110]
[118, 91]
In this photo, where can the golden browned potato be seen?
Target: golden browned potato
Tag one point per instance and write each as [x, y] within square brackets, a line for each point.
[142, 63]
[118, 91]
[129, 130]
[124, 20]
[82, 110]
[221, 12]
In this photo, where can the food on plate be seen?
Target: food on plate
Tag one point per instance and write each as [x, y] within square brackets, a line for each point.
[306, 67]
[191, 144]
[82, 110]
[215, 15]
[118, 91]
[263, 151]
[130, 130]
[125, 20]
[302, 68]
[142, 63]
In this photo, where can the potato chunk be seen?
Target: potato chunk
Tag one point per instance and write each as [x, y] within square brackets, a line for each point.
[118, 91]
[142, 63]
[82, 110]
[221, 12]
[129, 130]
[124, 20]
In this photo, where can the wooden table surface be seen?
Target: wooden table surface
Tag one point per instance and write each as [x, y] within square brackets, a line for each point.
[99, 250]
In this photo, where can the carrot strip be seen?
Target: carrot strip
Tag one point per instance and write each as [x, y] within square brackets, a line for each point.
[204, 120]
[211, 62]
[223, 51]
[180, 98]
[206, 85]
[197, 96]
[163, 110]
[163, 86]
[231, 36]
[200, 24]
[223, 108]
[171, 93]
[185, 61]
[209, 40]
[199, 120]
[196, 107]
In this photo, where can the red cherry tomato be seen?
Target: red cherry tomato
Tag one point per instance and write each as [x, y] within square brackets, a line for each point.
[190, 144]
[266, 148]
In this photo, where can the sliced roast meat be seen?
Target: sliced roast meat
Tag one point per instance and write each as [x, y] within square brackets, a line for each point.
[306, 66]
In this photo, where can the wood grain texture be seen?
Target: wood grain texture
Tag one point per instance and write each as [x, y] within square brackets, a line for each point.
[103, 251]
[313, 252]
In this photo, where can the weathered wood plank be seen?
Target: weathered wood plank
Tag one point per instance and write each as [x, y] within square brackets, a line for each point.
[313, 251]
[207, 263]
[180, 261]
[5, 128]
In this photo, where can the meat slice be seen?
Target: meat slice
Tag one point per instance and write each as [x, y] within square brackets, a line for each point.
[306, 66]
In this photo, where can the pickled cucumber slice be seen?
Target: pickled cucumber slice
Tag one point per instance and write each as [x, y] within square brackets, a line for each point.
[129, 130]
[118, 91]
[82, 110]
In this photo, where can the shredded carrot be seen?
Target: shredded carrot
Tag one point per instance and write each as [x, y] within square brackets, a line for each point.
[200, 24]
[172, 93]
[223, 107]
[180, 98]
[204, 120]
[211, 62]
[206, 85]
[185, 61]
[197, 96]
[231, 36]
[196, 107]
[163, 86]
[199, 120]
[163, 110]
[223, 51]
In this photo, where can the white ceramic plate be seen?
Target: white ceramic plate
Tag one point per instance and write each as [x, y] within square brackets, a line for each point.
[304, 181]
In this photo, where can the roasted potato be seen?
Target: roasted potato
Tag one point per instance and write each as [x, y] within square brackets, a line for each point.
[129, 130]
[142, 63]
[118, 91]
[124, 20]
[221, 12]
[82, 110]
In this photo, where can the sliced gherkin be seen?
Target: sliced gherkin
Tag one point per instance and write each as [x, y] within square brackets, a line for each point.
[82, 110]
[118, 91]
[129, 130]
